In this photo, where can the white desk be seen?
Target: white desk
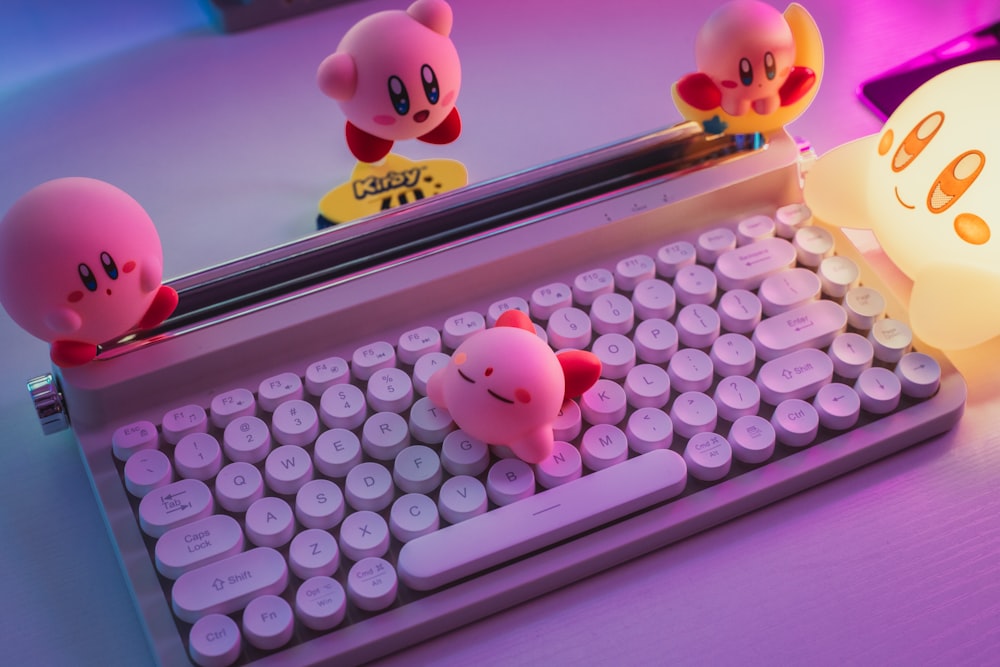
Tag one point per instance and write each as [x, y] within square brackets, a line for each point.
[229, 145]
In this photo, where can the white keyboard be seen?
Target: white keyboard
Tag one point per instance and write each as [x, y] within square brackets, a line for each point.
[282, 491]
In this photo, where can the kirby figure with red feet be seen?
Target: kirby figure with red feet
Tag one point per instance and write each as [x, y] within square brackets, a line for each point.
[758, 68]
[505, 386]
[81, 264]
[396, 76]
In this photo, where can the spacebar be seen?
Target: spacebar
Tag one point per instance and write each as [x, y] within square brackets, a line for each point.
[531, 523]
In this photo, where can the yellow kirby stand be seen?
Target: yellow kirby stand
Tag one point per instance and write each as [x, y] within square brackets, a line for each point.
[392, 182]
[808, 53]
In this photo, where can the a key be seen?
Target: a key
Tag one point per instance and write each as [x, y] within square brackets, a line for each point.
[815, 324]
[287, 469]
[812, 245]
[550, 298]
[879, 390]
[752, 439]
[798, 374]
[320, 603]
[229, 405]
[919, 375]
[746, 267]
[698, 325]
[588, 285]
[458, 328]
[569, 328]
[693, 412]
[369, 487]
[364, 534]
[343, 406]
[147, 470]
[498, 308]
[509, 480]
[603, 446]
[647, 386]
[238, 485]
[838, 406]
[370, 358]
[654, 298]
[268, 622]
[851, 354]
[631, 271]
[563, 465]
[795, 422]
[462, 454]
[733, 354]
[673, 257]
[740, 311]
[295, 422]
[173, 505]
[695, 284]
[132, 438]
[690, 370]
[837, 275]
[270, 522]
[864, 305]
[319, 503]
[372, 584]
[612, 313]
[180, 421]
[789, 289]
[426, 366]
[198, 456]
[198, 543]
[656, 341]
[275, 390]
[890, 339]
[617, 355]
[215, 641]
[461, 498]
[736, 396]
[429, 423]
[568, 421]
[413, 515]
[226, 586]
[246, 439]
[417, 469]
[790, 218]
[326, 373]
[709, 456]
[389, 390]
[313, 553]
[385, 434]
[336, 453]
[540, 520]
[755, 228]
[648, 429]
[417, 342]
[713, 243]
[604, 403]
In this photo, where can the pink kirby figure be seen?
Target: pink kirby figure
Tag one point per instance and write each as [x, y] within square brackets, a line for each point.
[745, 54]
[81, 264]
[505, 386]
[396, 76]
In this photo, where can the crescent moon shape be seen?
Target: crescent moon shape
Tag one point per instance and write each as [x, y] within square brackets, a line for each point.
[808, 53]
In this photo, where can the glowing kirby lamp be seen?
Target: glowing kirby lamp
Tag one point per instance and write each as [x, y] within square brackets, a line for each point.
[926, 185]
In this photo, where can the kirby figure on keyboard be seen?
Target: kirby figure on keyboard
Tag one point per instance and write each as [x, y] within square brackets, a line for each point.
[757, 68]
[927, 186]
[505, 386]
[396, 75]
[81, 264]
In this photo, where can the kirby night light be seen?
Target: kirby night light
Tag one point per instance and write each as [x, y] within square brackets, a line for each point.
[81, 264]
[758, 69]
[927, 186]
[505, 386]
[396, 76]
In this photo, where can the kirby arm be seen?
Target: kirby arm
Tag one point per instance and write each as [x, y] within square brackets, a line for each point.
[69, 353]
[946, 305]
[836, 185]
[699, 91]
[799, 82]
[535, 445]
[435, 388]
[337, 76]
[581, 369]
[161, 308]
[63, 321]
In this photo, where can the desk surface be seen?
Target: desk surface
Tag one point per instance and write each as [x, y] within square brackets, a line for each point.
[229, 145]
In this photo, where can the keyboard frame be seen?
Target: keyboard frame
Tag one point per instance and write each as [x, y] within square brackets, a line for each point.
[205, 350]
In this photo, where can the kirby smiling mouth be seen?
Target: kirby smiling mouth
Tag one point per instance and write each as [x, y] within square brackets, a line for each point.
[900, 199]
[488, 391]
[421, 115]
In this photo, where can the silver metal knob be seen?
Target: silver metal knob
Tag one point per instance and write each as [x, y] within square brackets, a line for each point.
[49, 404]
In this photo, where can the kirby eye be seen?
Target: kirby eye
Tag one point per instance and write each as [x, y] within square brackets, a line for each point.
[917, 140]
[954, 180]
[429, 79]
[398, 95]
[746, 72]
[87, 276]
[770, 69]
[109, 265]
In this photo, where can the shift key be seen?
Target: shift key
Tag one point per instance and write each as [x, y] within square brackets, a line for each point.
[228, 585]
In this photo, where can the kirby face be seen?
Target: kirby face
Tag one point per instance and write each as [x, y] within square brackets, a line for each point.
[746, 47]
[925, 185]
[396, 74]
[933, 176]
[80, 261]
[505, 386]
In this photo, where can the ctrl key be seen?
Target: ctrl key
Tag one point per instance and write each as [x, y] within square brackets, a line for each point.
[215, 641]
